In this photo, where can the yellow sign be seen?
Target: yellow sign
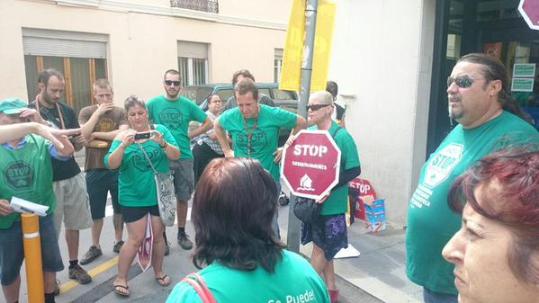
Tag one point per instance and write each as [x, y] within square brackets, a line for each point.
[293, 51]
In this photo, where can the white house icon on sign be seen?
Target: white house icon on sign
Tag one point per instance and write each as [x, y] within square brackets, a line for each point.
[306, 183]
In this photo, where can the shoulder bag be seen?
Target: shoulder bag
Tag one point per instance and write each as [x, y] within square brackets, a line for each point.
[197, 282]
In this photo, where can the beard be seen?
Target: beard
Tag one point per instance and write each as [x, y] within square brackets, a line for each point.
[172, 94]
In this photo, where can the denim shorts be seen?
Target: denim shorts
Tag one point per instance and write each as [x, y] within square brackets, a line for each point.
[12, 251]
[328, 232]
[99, 182]
[184, 178]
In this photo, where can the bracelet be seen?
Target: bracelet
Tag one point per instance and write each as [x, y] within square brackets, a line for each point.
[164, 145]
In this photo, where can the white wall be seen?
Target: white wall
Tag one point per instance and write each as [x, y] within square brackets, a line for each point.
[382, 59]
[143, 39]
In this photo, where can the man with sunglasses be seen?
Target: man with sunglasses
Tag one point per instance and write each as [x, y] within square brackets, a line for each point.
[478, 100]
[176, 112]
[253, 128]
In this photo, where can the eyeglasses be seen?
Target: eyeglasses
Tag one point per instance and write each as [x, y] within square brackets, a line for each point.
[170, 82]
[315, 107]
[461, 81]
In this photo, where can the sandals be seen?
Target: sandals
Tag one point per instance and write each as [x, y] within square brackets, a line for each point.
[121, 290]
[164, 280]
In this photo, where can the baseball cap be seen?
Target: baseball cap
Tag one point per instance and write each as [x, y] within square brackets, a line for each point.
[12, 106]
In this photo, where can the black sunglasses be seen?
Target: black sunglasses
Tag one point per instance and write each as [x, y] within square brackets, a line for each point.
[315, 107]
[170, 82]
[461, 81]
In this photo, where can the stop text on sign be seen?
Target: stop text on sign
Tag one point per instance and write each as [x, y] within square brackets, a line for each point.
[310, 150]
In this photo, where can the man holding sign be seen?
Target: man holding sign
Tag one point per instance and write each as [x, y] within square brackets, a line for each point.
[254, 128]
[328, 233]
[26, 169]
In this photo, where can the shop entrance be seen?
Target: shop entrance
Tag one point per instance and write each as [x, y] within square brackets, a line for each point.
[487, 26]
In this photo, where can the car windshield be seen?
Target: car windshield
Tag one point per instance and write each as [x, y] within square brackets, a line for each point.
[197, 94]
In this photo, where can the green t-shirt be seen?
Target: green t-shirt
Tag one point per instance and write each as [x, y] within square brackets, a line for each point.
[337, 203]
[294, 280]
[176, 115]
[431, 223]
[136, 179]
[26, 174]
[264, 132]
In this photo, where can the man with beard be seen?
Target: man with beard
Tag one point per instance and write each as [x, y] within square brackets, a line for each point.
[176, 112]
[253, 128]
[477, 92]
[101, 123]
[69, 185]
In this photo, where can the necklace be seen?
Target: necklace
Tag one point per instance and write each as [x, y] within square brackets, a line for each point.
[250, 131]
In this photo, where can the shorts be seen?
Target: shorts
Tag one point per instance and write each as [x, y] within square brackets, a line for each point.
[12, 251]
[329, 233]
[72, 204]
[132, 214]
[184, 179]
[99, 182]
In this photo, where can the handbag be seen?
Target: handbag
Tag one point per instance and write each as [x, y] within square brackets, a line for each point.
[166, 196]
[197, 282]
[307, 210]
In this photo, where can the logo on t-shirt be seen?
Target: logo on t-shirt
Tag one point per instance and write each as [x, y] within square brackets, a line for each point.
[141, 163]
[19, 175]
[259, 141]
[172, 118]
[443, 163]
[105, 125]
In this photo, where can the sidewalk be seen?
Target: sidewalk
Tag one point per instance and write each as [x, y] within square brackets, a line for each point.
[380, 268]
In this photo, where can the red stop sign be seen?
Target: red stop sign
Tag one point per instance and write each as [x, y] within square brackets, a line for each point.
[311, 164]
[529, 9]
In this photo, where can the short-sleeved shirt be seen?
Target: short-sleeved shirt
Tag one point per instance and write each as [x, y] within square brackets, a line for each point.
[263, 132]
[431, 223]
[176, 115]
[337, 202]
[26, 173]
[62, 170]
[136, 179]
[108, 121]
[294, 280]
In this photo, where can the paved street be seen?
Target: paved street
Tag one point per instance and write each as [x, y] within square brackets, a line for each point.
[143, 287]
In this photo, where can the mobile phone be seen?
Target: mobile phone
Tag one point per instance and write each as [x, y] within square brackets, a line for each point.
[142, 136]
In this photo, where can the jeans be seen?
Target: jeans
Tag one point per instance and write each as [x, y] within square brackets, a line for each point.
[435, 297]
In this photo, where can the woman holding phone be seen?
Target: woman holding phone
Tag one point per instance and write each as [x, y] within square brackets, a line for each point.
[130, 152]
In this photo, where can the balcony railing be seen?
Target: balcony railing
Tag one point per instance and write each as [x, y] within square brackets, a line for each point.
[210, 6]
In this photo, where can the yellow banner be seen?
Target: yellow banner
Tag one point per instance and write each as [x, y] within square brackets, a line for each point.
[293, 51]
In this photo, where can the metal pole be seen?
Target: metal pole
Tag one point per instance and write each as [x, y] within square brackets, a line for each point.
[32, 258]
[311, 8]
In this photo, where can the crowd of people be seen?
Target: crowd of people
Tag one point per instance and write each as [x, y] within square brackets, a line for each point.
[473, 221]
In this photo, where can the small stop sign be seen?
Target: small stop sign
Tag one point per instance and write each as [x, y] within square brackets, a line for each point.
[311, 164]
[529, 9]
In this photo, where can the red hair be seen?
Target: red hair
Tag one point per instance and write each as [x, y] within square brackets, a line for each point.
[517, 171]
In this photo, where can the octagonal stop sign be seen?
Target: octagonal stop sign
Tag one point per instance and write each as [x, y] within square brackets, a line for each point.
[311, 164]
[529, 9]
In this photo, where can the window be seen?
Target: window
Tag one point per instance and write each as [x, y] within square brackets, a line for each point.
[80, 57]
[193, 62]
[277, 64]
[210, 6]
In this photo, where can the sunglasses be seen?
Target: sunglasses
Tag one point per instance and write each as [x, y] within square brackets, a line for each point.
[170, 82]
[315, 107]
[461, 81]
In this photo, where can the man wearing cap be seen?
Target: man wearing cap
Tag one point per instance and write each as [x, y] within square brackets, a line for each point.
[26, 173]
[69, 185]
[253, 128]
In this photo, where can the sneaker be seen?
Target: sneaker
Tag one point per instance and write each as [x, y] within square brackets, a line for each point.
[184, 242]
[56, 291]
[167, 249]
[78, 273]
[116, 248]
[92, 254]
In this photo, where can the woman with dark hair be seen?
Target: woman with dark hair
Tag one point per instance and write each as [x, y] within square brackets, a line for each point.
[233, 208]
[131, 152]
[496, 251]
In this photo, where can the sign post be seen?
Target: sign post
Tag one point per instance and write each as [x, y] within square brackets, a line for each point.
[311, 164]
[529, 9]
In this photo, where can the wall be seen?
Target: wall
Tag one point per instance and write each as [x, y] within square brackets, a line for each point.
[143, 39]
[382, 61]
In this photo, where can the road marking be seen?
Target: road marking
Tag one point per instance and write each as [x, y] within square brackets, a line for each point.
[101, 268]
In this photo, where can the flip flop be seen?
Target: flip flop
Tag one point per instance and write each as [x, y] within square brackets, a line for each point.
[122, 290]
[164, 280]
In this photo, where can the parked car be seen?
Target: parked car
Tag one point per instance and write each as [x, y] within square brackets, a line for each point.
[284, 99]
